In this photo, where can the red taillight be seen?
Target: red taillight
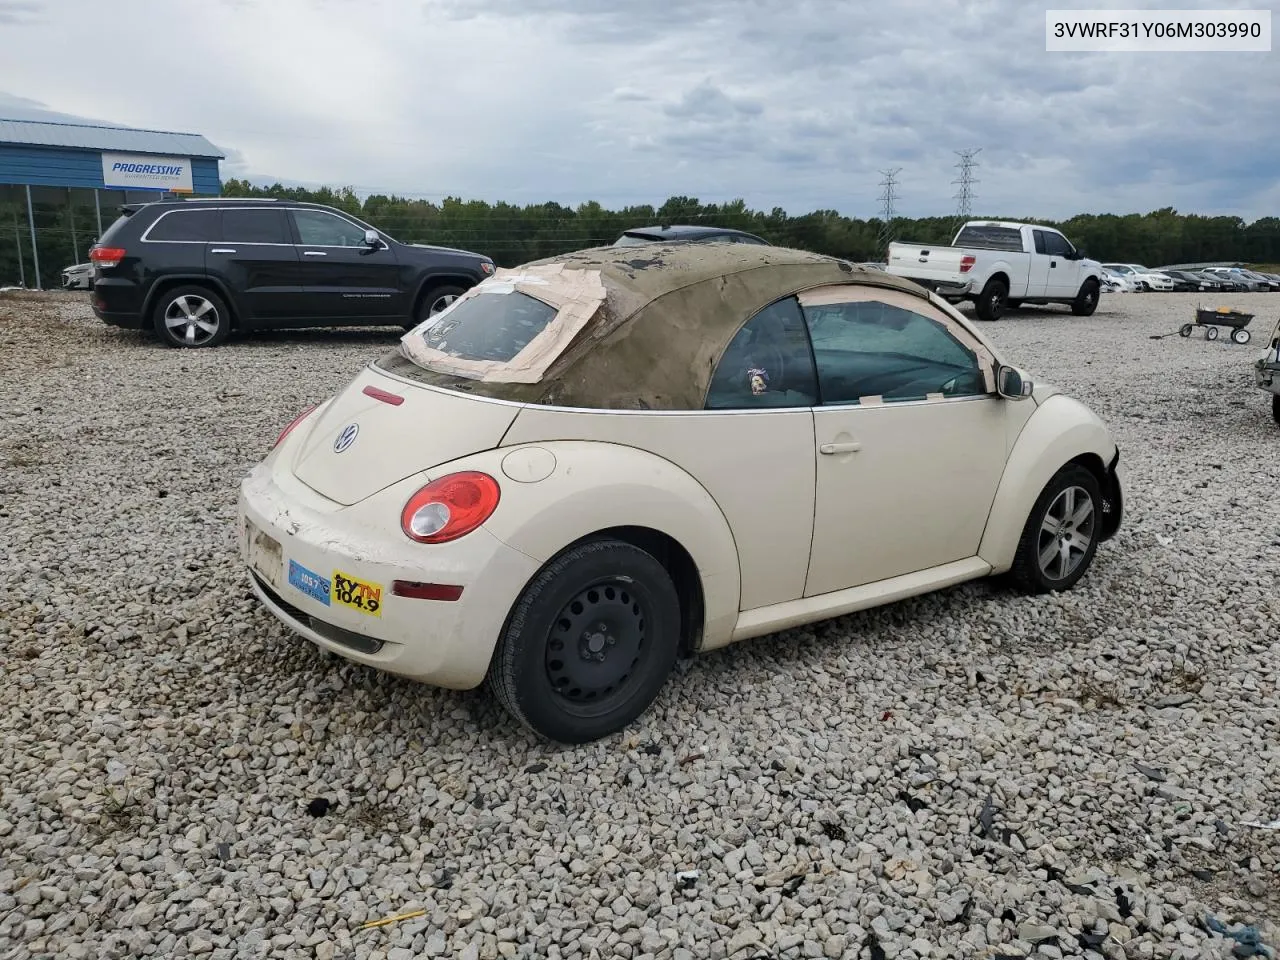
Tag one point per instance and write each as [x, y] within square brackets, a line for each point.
[450, 507]
[106, 256]
[967, 262]
[293, 423]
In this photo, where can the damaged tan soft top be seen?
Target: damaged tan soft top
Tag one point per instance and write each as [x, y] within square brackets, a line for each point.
[575, 294]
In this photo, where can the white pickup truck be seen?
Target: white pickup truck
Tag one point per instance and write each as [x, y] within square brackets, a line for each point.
[998, 265]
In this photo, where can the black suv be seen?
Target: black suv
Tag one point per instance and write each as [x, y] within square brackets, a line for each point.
[193, 270]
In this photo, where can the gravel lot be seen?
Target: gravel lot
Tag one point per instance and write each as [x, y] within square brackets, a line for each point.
[970, 774]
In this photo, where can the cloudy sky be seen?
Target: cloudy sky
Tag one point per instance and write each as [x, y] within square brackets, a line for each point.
[791, 103]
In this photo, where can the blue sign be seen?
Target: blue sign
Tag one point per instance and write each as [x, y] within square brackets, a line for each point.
[309, 582]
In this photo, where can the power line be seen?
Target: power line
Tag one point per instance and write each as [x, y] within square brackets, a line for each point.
[885, 235]
[966, 180]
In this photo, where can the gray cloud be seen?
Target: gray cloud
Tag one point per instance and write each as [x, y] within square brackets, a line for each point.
[791, 103]
[20, 11]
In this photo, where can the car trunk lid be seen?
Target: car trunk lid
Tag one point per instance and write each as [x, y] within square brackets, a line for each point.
[381, 429]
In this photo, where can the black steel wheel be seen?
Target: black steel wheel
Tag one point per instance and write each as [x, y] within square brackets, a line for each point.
[590, 642]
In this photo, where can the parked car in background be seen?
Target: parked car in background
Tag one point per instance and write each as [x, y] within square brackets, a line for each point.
[1113, 282]
[77, 277]
[1186, 282]
[685, 234]
[1144, 279]
[560, 536]
[1226, 284]
[194, 270]
[998, 264]
[1270, 283]
[1241, 278]
[1267, 370]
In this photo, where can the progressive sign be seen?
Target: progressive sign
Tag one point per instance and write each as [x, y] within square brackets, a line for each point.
[138, 171]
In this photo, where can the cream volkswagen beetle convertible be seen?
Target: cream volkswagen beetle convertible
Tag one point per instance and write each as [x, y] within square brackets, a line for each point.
[591, 465]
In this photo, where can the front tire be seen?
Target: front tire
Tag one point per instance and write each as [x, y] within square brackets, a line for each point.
[1086, 300]
[589, 644]
[993, 300]
[1060, 537]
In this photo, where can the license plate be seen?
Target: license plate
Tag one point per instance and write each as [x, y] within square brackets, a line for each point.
[264, 553]
[357, 594]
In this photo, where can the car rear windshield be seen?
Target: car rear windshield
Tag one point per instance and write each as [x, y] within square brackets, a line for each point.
[990, 238]
[489, 326]
[633, 240]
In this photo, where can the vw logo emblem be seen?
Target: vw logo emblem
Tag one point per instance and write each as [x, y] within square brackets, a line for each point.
[346, 438]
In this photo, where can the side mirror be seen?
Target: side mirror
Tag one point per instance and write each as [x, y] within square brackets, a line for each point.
[372, 239]
[1011, 385]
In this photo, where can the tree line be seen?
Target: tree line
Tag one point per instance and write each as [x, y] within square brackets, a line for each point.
[512, 234]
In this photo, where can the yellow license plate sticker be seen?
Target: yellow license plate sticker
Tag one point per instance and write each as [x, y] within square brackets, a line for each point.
[357, 594]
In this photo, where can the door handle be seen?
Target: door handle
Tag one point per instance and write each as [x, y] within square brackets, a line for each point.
[222, 250]
[314, 253]
[1053, 263]
[833, 448]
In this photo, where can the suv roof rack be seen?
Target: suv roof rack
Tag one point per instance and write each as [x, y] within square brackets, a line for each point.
[232, 199]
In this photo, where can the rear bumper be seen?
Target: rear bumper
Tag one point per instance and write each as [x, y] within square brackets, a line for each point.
[118, 302]
[305, 541]
[946, 288]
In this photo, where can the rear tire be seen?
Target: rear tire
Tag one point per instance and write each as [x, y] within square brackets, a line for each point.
[191, 316]
[589, 644]
[433, 301]
[1275, 407]
[1061, 534]
[992, 301]
[1086, 300]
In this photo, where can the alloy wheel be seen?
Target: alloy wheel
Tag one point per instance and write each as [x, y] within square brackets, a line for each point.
[191, 319]
[1066, 533]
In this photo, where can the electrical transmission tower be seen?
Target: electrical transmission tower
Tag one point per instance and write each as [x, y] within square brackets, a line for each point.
[964, 196]
[887, 198]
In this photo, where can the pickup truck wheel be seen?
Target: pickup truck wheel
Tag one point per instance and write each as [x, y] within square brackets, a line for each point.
[992, 301]
[1086, 300]
[1275, 407]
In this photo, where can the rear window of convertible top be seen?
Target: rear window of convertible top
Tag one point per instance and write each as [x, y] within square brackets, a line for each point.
[489, 326]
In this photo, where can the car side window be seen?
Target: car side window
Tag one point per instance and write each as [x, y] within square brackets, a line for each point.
[254, 226]
[186, 226]
[767, 363]
[319, 229]
[1040, 245]
[868, 348]
[1055, 245]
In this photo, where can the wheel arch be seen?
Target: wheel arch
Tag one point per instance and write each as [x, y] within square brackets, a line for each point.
[164, 284]
[599, 489]
[435, 280]
[1061, 431]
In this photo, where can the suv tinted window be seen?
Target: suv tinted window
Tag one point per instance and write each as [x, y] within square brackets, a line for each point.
[767, 363]
[193, 225]
[869, 348]
[254, 226]
[319, 229]
[489, 326]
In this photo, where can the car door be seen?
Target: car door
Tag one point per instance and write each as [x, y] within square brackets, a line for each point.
[345, 279]
[1064, 268]
[256, 260]
[911, 439]
[1038, 269]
